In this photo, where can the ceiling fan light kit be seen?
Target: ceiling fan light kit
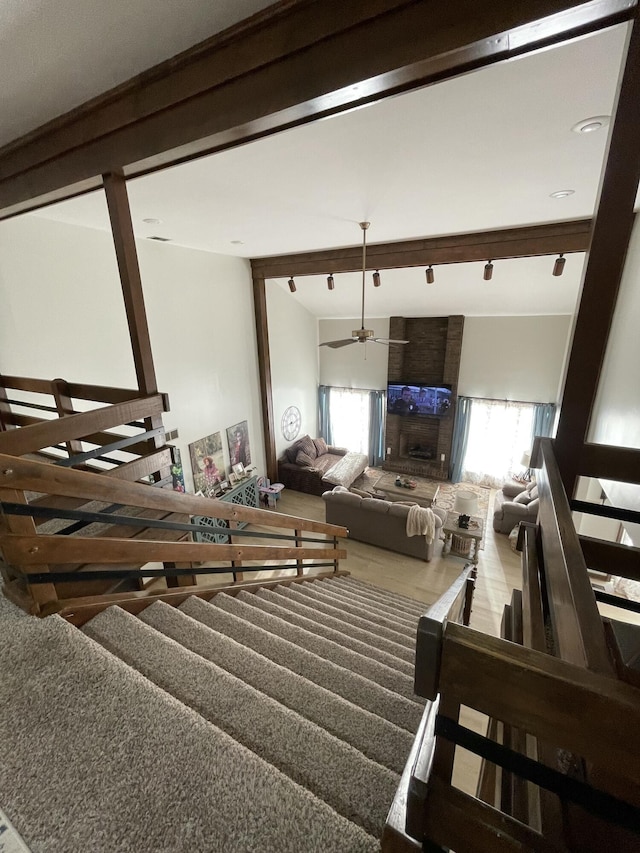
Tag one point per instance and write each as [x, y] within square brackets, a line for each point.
[362, 335]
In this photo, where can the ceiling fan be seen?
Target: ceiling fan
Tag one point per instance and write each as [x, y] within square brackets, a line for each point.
[362, 335]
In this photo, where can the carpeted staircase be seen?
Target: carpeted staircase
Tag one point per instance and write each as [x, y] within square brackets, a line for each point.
[275, 721]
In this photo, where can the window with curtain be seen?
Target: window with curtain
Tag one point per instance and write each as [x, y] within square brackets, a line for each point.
[349, 411]
[500, 432]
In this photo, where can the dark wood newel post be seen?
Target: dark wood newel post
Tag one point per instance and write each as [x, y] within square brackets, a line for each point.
[264, 367]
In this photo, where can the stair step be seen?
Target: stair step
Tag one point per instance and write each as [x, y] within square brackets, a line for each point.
[279, 606]
[392, 612]
[353, 687]
[248, 607]
[94, 756]
[410, 605]
[300, 604]
[376, 738]
[345, 605]
[352, 784]
[321, 605]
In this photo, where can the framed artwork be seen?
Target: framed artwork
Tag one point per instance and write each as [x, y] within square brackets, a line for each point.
[233, 479]
[238, 440]
[177, 472]
[207, 463]
[238, 470]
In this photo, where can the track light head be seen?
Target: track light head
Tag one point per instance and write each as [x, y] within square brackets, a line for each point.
[330, 282]
[558, 267]
[488, 271]
[376, 279]
[292, 285]
[430, 276]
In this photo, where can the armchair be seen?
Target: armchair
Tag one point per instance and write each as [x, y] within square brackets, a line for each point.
[515, 502]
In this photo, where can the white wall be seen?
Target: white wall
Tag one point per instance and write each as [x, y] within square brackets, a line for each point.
[616, 417]
[293, 344]
[63, 315]
[356, 366]
[513, 358]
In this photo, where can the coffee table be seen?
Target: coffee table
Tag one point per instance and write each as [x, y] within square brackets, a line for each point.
[462, 542]
[424, 494]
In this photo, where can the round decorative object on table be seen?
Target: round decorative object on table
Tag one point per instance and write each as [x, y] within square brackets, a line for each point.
[290, 424]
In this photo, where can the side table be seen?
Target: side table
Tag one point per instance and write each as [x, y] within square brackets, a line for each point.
[245, 493]
[462, 542]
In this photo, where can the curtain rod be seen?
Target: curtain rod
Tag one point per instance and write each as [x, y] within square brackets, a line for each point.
[500, 400]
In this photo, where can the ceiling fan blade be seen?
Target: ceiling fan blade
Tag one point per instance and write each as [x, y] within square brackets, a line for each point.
[388, 341]
[338, 344]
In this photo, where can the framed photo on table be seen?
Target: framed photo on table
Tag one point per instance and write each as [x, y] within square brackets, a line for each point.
[238, 471]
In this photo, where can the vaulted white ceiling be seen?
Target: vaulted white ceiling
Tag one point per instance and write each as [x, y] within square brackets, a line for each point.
[482, 151]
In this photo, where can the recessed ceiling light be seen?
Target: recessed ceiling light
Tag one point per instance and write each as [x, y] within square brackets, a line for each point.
[561, 193]
[151, 221]
[590, 125]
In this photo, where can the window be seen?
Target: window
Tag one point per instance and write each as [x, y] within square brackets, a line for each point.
[499, 433]
[349, 418]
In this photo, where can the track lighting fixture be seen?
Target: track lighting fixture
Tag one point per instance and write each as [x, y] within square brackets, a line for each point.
[330, 282]
[292, 285]
[488, 271]
[430, 275]
[558, 267]
[376, 279]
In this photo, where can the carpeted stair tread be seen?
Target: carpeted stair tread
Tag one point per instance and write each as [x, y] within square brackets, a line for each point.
[271, 603]
[355, 688]
[412, 607]
[389, 611]
[300, 604]
[347, 605]
[352, 784]
[399, 622]
[246, 606]
[376, 738]
[95, 757]
[304, 592]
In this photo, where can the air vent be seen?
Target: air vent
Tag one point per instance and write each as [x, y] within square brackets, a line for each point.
[160, 239]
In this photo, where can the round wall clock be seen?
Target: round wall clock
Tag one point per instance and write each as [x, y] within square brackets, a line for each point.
[290, 424]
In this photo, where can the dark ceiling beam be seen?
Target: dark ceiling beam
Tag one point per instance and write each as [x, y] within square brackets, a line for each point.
[291, 64]
[528, 241]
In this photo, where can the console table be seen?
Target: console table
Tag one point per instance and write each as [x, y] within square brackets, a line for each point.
[244, 493]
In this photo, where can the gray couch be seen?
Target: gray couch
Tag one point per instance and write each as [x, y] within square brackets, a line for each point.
[379, 522]
[516, 502]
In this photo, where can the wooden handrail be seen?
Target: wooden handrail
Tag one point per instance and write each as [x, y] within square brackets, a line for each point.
[28, 475]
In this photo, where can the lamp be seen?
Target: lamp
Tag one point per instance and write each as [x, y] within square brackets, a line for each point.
[558, 267]
[525, 461]
[488, 271]
[330, 282]
[376, 279]
[292, 285]
[466, 503]
[430, 275]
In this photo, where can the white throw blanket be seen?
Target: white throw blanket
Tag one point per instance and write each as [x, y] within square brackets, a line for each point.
[421, 521]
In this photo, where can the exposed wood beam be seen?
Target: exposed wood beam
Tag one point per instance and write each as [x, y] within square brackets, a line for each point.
[528, 241]
[603, 272]
[287, 67]
[264, 368]
[115, 188]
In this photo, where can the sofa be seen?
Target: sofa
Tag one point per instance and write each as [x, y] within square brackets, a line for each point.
[311, 465]
[514, 503]
[379, 522]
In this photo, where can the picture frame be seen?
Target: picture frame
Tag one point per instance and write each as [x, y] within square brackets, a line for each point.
[233, 479]
[238, 470]
[207, 462]
[239, 446]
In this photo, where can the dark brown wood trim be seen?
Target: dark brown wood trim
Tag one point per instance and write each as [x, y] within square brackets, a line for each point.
[64, 406]
[527, 241]
[264, 368]
[603, 272]
[305, 61]
[610, 463]
[611, 558]
[115, 188]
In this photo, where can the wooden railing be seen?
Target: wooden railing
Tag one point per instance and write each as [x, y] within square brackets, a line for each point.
[561, 759]
[46, 568]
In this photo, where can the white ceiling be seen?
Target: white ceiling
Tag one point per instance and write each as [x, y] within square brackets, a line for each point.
[479, 152]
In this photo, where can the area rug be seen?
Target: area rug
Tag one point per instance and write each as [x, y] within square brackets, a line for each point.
[446, 494]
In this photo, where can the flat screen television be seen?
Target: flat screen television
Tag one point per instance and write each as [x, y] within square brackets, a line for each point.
[433, 401]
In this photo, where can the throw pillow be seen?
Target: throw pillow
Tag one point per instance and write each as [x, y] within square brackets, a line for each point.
[522, 498]
[321, 446]
[303, 459]
[307, 446]
[292, 451]
[533, 494]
